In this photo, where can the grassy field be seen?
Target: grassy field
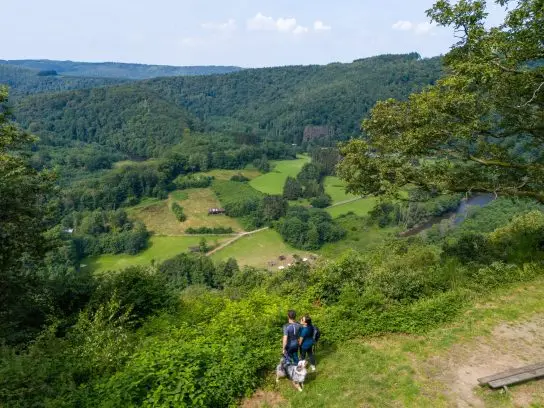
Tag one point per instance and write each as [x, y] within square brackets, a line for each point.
[359, 207]
[159, 219]
[336, 189]
[258, 249]
[439, 369]
[359, 237]
[160, 249]
[272, 183]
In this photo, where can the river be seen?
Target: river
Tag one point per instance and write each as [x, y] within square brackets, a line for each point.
[456, 217]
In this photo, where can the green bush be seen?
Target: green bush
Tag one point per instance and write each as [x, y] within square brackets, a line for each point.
[192, 181]
[209, 230]
[178, 212]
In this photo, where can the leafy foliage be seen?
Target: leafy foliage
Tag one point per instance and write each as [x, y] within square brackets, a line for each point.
[308, 229]
[479, 128]
[178, 212]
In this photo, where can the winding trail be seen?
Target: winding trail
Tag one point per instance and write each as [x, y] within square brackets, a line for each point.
[236, 238]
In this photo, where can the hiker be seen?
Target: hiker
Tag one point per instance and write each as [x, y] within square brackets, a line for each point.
[290, 337]
[306, 340]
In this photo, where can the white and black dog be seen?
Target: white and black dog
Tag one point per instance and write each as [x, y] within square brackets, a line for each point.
[295, 372]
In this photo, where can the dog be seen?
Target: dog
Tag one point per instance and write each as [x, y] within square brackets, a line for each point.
[296, 373]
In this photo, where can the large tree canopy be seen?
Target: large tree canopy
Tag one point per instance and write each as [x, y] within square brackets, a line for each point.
[479, 128]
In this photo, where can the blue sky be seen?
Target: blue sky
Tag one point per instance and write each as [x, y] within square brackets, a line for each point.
[248, 33]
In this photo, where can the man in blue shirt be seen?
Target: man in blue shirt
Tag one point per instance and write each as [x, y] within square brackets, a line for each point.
[290, 337]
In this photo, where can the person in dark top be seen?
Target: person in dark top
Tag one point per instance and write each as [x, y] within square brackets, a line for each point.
[306, 340]
[290, 337]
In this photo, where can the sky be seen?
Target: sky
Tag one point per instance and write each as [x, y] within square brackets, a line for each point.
[247, 33]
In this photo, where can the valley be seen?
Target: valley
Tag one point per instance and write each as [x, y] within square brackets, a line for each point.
[161, 224]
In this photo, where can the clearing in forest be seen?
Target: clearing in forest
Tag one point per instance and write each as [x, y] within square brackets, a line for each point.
[336, 188]
[360, 207]
[159, 249]
[440, 369]
[259, 249]
[272, 182]
[159, 219]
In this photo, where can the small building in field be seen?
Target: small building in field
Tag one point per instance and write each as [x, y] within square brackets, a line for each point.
[215, 211]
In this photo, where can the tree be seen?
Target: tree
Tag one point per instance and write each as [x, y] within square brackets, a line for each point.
[23, 206]
[479, 128]
[274, 207]
[292, 189]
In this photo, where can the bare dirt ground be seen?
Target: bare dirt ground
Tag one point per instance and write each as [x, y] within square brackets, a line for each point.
[260, 399]
[507, 346]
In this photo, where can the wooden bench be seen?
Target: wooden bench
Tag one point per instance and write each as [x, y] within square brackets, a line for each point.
[513, 376]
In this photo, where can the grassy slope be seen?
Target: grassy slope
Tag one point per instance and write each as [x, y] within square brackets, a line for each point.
[160, 249]
[359, 237]
[159, 219]
[272, 183]
[258, 249]
[360, 207]
[424, 371]
[337, 190]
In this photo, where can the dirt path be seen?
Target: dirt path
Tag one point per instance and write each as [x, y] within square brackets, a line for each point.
[236, 238]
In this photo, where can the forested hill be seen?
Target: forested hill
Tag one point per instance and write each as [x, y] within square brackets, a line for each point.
[117, 69]
[24, 81]
[282, 101]
[272, 102]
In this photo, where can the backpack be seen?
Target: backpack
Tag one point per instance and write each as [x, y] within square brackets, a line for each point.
[317, 334]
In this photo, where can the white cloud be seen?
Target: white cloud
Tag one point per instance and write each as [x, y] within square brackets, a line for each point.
[228, 26]
[403, 25]
[300, 30]
[261, 23]
[424, 28]
[286, 25]
[320, 26]
[283, 25]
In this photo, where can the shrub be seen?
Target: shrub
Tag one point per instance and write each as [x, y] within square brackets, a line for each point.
[209, 230]
[322, 201]
[178, 212]
[239, 178]
[192, 181]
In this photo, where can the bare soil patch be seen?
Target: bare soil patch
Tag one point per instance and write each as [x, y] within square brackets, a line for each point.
[262, 399]
[507, 346]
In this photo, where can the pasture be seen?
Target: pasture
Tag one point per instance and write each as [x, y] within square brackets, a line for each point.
[159, 219]
[258, 249]
[160, 248]
[336, 189]
[272, 182]
[359, 207]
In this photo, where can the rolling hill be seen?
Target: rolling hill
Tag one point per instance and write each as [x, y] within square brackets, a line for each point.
[275, 103]
[117, 69]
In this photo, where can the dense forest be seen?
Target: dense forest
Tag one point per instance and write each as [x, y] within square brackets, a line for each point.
[23, 81]
[116, 70]
[273, 103]
[195, 331]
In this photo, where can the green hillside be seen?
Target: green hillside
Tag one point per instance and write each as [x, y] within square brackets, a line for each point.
[118, 69]
[24, 81]
[272, 102]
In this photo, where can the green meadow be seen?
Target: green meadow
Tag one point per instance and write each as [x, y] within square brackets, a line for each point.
[272, 182]
[336, 188]
[359, 207]
[258, 249]
[160, 248]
